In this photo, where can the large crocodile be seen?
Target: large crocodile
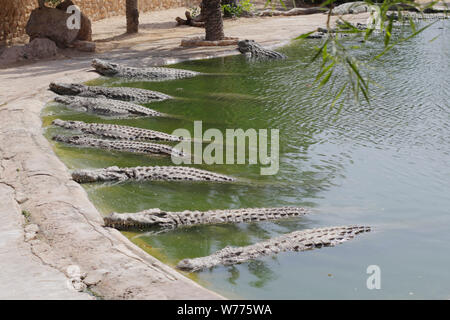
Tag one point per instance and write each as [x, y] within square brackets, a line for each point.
[147, 173]
[106, 107]
[294, 241]
[120, 145]
[153, 73]
[255, 51]
[114, 131]
[117, 93]
[156, 218]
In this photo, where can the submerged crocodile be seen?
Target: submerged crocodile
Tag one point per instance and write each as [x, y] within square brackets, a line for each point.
[148, 173]
[120, 145]
[153, 73]
[116, 93]
[255, 51]
[294, 241]
[106, 107]
[114, 131]
[169, 220]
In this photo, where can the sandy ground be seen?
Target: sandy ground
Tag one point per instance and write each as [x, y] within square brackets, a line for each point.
[36, 184]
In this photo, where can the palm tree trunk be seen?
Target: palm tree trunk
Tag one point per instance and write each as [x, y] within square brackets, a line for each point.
[132, 14]
[213, 20]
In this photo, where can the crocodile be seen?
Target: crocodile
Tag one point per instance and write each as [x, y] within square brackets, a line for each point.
[116, 93]
[111, 69]
[405, 17]
[295, 241]
[255, 51]
[120, 145]
[147, 173]
[156, 218]
[106, 107]
[114, 131]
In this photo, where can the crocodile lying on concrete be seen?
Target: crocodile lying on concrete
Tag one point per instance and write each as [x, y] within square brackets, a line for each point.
[116, 93]
[148, 173]
[114, 131]
[294, 241]
[106, 107]
[153, 73]
[255, 51]
[120, 145]
[170, 220]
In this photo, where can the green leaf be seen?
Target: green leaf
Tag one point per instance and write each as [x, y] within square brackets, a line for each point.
[326, 79]
[387, 36]
[402, 40]
[304, 36]
[319, 51]
[336, 98]
[356, 71]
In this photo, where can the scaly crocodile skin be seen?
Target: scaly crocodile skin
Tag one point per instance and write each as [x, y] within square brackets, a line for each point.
[294, 241]
[106, 107]
[116, 93]
[153, 73]
[168, 220]
[119, 145]
[114, 131]
[148, 173]
[255, 51]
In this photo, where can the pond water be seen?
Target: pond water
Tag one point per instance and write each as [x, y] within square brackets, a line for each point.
[385, 164]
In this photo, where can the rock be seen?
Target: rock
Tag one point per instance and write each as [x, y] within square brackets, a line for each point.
[31, 231]
[21, 198]
[11, 55]
[40, 48]
[94, 277]
[86, 46]
[85, 33]
[52, 24]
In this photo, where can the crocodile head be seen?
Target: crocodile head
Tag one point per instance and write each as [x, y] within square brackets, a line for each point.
[104, 67]
[65, 99]
[246, 46]
[67, 88]
[66, 124]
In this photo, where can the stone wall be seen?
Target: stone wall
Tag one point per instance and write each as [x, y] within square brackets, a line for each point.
[14, 13]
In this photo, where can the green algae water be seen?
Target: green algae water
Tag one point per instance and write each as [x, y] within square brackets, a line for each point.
[385, 164]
